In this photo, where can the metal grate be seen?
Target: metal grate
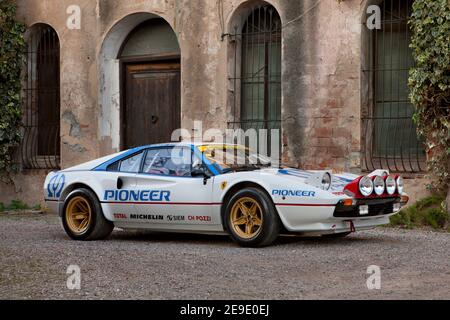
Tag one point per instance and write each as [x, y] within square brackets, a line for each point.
[256, 78]
[389, 134]
[41, 100]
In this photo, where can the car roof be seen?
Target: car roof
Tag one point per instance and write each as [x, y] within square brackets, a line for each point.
[180, 144]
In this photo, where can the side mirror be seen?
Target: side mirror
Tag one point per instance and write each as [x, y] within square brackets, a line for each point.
[200, 173]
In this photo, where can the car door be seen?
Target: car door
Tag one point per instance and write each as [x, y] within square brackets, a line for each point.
[170, 197]
[117, 183]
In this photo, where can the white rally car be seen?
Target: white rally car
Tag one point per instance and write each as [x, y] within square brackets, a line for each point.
[212, 188]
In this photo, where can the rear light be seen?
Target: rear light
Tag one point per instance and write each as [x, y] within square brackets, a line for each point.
[378, 185]
[391, 185]
[366, 186]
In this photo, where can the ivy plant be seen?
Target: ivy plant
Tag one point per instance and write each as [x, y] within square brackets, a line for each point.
[12, 48]
[429, 82]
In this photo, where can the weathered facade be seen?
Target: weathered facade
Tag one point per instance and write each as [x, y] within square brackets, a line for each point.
[327, 79]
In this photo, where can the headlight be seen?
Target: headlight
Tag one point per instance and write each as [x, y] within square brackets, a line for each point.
[378, 185]
[400, 185]
[390, 185]
[366, 186]
[326, 181]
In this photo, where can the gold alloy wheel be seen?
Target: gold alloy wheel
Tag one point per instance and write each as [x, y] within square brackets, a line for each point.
[246, 218]
[78, 215]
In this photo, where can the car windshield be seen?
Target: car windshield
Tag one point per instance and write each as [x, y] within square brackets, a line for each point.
[228, 158]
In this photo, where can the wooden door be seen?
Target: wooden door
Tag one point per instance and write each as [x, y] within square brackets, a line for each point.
[151, 110]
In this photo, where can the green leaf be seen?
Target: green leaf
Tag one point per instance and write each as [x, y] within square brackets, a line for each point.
[12, 47]
[429, 82]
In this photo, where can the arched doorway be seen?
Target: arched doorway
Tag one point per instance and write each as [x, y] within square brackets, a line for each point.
[150, 84]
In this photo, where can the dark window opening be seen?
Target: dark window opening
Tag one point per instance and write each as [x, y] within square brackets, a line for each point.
[256, 78]
[389, 132]
[41, 99]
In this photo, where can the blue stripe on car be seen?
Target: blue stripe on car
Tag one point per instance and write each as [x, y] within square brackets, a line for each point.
[297, 173]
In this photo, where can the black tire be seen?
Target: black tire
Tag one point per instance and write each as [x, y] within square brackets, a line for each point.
[336, 235]
[271, 224]
[98, 227]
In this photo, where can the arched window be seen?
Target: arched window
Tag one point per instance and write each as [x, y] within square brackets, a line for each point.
[257, 73]
[390, 137]
[41, 117]
[153, 37]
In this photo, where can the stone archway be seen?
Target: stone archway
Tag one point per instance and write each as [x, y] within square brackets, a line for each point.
[151, 84]
[111, 65]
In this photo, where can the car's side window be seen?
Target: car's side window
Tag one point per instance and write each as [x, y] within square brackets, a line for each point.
[131, 164]
[169, 162]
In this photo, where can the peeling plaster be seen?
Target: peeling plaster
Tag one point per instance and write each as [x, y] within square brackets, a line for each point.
[75, 129]
[75, 147]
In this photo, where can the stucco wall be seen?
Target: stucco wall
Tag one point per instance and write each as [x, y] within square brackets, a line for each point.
[321, 84]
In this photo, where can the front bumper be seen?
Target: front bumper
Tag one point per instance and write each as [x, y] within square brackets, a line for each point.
[341, 226]
[337, 218]
[377, 207]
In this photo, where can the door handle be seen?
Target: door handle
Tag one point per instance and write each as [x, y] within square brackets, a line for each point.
[155, 119]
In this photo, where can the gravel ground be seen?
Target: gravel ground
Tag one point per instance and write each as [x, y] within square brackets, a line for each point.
[35, 254]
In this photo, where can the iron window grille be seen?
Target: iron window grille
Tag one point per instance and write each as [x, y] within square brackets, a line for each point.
[389, 134]
[41, 100]
[256, 73]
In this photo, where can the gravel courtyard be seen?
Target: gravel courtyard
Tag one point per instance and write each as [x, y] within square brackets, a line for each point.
[35, 253]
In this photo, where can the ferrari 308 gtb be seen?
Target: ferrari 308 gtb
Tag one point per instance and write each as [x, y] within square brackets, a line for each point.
[216, 189]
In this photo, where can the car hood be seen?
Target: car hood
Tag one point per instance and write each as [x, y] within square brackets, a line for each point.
[338, 180]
